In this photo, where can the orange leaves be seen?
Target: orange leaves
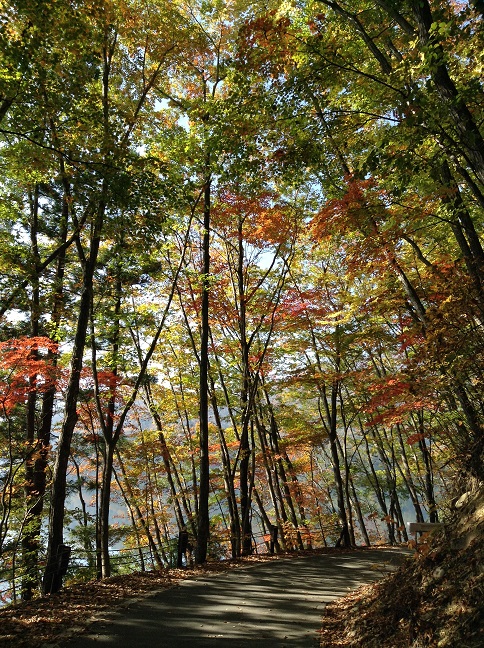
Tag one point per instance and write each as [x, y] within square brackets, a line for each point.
[392, 387]
[24, 368]
[263, 43]
[415, 438]
[410, 339]
[107, 380]
[265, 221]
[297, 303]
[108, 384]
[364, 222]
[347, 212]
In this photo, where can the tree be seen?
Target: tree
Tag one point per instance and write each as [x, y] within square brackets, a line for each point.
[252, 235]
[391, 78]
[26, 370]
[118, 114]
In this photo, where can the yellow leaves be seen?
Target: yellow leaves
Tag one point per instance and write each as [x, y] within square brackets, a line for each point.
[339, 317]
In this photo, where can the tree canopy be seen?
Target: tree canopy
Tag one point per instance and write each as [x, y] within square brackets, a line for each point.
[242, 277]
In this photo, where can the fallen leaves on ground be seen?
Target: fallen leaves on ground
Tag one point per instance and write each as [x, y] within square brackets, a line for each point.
[435, 600]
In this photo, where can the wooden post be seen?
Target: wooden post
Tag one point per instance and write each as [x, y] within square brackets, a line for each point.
[182, 547]
[423, 527]
[274, 544]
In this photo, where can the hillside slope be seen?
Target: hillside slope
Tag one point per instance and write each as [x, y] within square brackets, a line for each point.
[436, 599]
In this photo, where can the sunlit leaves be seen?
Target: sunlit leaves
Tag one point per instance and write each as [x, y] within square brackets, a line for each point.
[25, 368]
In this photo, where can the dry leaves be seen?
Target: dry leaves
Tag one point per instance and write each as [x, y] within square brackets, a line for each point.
[435, 601]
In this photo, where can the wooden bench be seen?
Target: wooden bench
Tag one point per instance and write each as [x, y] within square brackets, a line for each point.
[423, 527]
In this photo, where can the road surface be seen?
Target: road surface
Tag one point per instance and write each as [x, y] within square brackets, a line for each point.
[276, 604]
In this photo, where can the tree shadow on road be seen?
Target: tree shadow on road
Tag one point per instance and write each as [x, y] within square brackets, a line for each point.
[269, 605]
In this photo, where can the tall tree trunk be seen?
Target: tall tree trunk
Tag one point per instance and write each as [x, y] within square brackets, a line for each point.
[464, 232]
[203, 525]
[272, 478]
[406, 475]
[332, 414]
[139, 513]
[470, 140]
[228, 478]
[52, 580]
[359, 513]
[133, 521]
[245, 404]
[111, 435]
[105, 504]
[31, 526]
[282, 476]
[36, 477]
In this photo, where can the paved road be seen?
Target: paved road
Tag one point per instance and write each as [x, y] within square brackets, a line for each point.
[268, 605]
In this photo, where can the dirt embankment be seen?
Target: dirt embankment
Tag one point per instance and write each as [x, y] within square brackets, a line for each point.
[436, 599]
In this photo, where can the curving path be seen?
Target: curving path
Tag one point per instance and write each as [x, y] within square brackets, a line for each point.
[268, 605]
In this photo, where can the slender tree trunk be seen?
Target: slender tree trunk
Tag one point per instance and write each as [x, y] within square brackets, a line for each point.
[470, 140]
[407, 477]
[170, 469]
[139, 514]
[228, 478]
[245, 405]
[133, 521]
[281, 473]
[52, 581]
[272, 479]
[203, 526]
[379, 492]
[31, 526]
[361, 520]
[332, 409]
[465, 233]
[36, 466]
[104, 508]
[86, 536]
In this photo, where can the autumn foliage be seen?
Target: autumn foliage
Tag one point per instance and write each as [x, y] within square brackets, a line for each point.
[256, 234]
[25, 367]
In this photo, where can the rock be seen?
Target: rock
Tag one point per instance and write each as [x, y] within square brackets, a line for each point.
[438, 574]
[462, 501]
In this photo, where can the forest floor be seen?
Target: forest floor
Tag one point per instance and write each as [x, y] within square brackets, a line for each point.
[43, 620]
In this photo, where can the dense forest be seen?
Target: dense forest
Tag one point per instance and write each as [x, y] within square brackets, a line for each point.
[242, 277]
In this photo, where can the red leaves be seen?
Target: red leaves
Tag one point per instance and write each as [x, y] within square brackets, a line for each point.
[415, 438]
[266, 222]
[107, 381]
[394, 398]
[296, 303]
[409, 339]
[25, 367]
[263, 43]
[346, 212]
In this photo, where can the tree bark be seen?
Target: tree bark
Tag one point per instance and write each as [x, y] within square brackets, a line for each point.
[51, 581]
[203, 526]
